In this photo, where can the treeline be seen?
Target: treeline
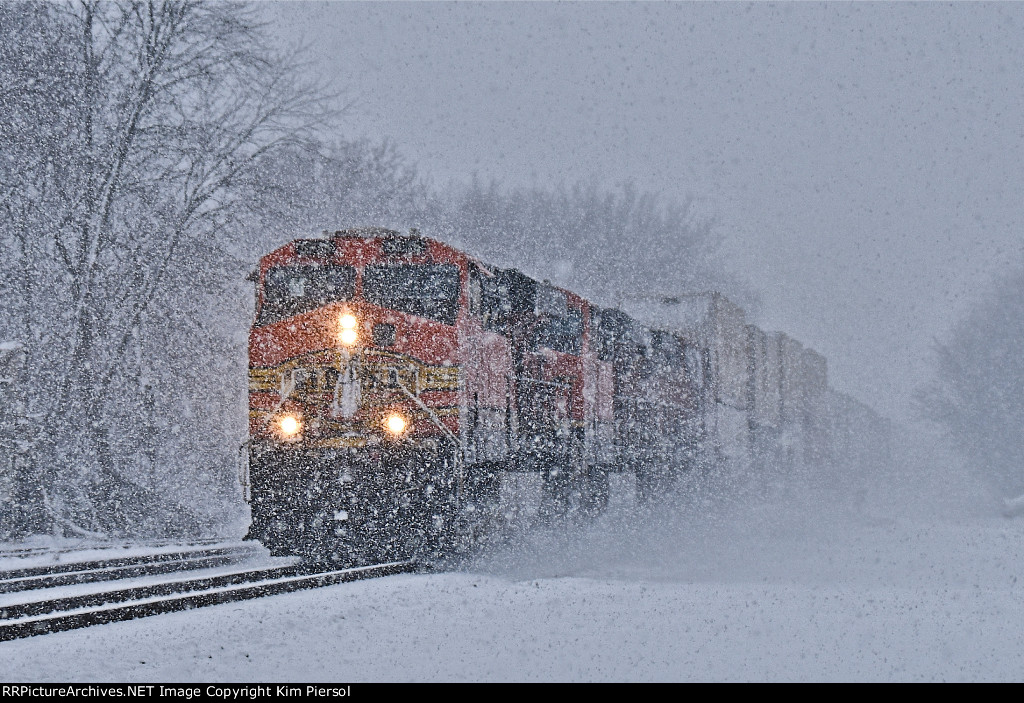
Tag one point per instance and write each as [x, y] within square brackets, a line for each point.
[977, 395]
[151, 152]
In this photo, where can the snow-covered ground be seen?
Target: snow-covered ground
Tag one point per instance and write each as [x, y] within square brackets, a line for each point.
[781, 588]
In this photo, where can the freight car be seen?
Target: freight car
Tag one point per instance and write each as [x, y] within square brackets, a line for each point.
[406, 398]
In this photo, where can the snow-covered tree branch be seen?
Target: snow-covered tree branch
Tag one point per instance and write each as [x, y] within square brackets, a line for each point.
[164, 111]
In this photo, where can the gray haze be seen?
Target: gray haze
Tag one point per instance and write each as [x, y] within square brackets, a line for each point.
[863, 160]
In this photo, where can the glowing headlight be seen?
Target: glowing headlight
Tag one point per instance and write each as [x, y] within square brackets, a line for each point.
[289, 426]
[396, 424]
[349, 325]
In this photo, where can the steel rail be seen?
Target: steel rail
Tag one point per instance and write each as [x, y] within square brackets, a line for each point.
[124, 567]
[96, 599]
[170, 597]
[62, 567]
[22, 552]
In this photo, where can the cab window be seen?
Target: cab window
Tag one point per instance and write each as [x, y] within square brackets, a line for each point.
[295, 289]
[426, 290]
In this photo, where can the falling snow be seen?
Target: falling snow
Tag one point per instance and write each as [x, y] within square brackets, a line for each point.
[820, 200]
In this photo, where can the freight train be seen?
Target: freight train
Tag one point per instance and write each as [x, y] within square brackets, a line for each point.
[407, 399]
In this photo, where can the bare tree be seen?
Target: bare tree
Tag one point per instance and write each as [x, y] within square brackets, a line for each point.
[308, 188]
[594, 239]
[170, 106]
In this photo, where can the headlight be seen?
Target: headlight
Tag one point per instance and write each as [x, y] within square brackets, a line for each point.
[288, 427]
[349, 329]
[396, 424]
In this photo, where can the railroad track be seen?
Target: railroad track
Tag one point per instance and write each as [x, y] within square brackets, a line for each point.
[65, 574]
[40, 617]
[24, 552]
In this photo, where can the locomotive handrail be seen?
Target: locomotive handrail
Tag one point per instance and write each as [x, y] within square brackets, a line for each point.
[457, 445]
[433, 416]
[243, 470]
[539, 382]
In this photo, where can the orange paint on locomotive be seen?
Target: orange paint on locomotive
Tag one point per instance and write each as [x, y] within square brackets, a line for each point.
[417, 375]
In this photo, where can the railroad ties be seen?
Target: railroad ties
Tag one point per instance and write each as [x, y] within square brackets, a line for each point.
[56, 612]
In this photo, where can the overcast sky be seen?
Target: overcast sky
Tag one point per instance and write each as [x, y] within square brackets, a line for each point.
[865, 161]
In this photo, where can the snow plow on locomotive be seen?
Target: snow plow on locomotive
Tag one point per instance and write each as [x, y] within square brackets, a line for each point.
[406, 399]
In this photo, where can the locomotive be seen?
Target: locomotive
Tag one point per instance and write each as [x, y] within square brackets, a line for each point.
[407, 399]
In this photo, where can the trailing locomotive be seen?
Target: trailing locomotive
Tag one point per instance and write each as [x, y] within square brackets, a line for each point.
[406, 398]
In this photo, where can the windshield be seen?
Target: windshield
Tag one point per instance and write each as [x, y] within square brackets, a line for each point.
[290, 290]
[427, 290]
